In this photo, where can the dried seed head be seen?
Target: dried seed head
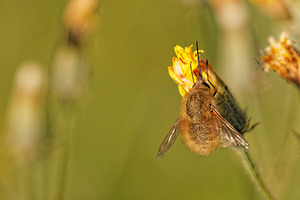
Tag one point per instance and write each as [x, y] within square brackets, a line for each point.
[25, 120]
[80, 18]
[69, 73]
[283, 58]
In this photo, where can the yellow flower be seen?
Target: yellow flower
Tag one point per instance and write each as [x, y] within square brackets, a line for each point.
[186, 61]
[282, 58]
[180, 72]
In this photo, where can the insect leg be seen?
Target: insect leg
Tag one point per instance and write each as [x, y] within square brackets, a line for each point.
[247, 128]
[223, 101]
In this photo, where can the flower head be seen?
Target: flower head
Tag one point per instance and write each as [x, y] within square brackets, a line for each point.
[185, 70]
[80, 18]
[282, 58]
[183, 65]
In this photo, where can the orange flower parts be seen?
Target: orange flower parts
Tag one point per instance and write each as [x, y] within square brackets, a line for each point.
[282, 58]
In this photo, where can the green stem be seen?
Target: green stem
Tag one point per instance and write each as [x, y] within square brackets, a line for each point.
[254, 175]
[25, 183]
[66, 131]
[62, 175]
[38, 179]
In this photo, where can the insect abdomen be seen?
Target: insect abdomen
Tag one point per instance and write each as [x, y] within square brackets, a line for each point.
[197, 129]
[198, 137]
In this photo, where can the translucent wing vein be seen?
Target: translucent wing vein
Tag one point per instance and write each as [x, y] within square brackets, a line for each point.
[229, 136]
[169, 140]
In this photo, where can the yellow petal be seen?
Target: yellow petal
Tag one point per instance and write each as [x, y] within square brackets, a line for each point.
[181, 90]
[183, 67]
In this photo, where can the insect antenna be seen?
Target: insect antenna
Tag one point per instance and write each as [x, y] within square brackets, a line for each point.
[200, 75]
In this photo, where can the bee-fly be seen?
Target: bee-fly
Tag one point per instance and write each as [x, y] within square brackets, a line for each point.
[202, 127]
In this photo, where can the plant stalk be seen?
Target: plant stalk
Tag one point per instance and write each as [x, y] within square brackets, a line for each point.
[254, 175]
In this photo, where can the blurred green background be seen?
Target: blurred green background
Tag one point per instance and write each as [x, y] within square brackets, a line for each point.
[131, 102]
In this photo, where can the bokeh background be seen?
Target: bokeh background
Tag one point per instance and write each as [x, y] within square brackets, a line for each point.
[128, 102]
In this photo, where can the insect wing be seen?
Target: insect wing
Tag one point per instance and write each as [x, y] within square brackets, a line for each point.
[229, 136]
[169, 140]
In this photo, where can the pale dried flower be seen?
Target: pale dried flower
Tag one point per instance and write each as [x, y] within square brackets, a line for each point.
[25, 118]
[69, 73]
[79, 17]
[282, 57]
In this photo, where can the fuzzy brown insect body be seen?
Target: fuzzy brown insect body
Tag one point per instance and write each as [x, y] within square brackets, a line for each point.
[202, 127]
[198, 127]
